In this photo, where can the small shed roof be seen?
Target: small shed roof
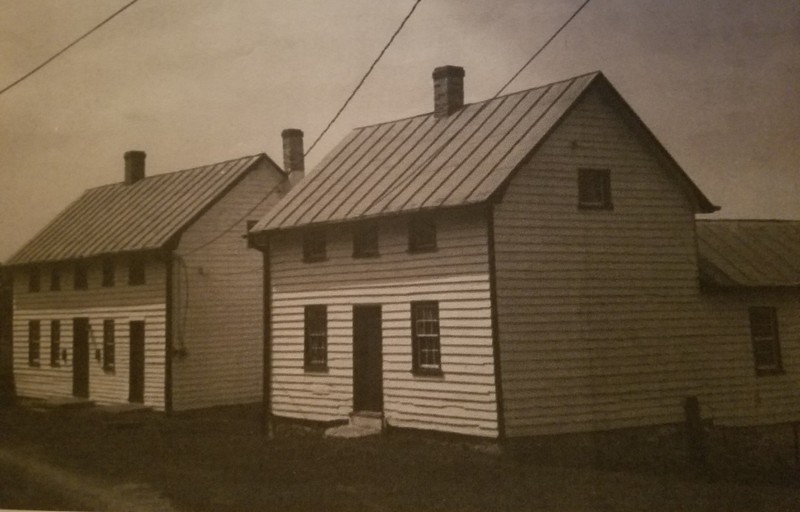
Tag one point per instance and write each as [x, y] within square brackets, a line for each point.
[423, 162]
[144, 215]
[749, 253]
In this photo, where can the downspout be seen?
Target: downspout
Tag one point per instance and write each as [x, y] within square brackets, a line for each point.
[266, 415]
[168, 336]
[498, 377]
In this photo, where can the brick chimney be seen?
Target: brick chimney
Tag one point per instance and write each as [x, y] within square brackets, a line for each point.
[448, 90]
[293, 159]
[134, 166]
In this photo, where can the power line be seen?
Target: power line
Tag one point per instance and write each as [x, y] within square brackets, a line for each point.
[361, 82]
[70, 45]
[541, 49]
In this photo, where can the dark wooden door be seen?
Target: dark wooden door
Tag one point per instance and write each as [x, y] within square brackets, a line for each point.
[136, 380]
[80, 357]
[367, 359]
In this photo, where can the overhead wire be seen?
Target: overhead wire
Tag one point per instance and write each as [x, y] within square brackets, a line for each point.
[73, 43]
[541, 49]
[364, 78]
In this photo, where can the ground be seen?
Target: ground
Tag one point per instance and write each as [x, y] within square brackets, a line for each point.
[218, 460]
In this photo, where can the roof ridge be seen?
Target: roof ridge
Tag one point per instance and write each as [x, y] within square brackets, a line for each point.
[179, 171]
[522, 91]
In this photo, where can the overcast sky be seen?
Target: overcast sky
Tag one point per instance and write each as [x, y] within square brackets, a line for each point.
[193, 82]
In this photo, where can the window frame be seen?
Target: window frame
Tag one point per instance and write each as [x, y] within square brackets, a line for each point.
[55, 343]
[417, 225]
[137, 271]
[588, 181]
[109, 276]
[769, 342]
[55, 278]
[417, 367]
[315, 338]
[315, 245]
[34, 279]
[34, 343]
[366, 240]
[109, 347]
[80, 278]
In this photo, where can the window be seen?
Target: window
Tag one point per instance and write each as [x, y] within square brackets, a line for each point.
[365, 240]
[316, 338]
[426, 353]
[314, 245]
[108, 272]
[34, 337]
[55, 342]
[34, 279]
[55, 279]
[422, 234]
[81, 280]
[766, 344]
[108, 345]
[136, 271]
[594, 189]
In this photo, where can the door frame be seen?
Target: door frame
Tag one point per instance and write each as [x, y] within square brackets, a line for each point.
[377, 378]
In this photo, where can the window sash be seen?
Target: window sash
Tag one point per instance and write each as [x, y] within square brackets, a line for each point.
[108, 273]
[594, 188]
[365, 241]
[34, 280]
[314, 246]
[55, 279]
[34, 342]
[422, 234]
[55, 342]
[108, 345]
[316, 337]
[81, 278]
[427, 357]
[765, 339]
[136, 271]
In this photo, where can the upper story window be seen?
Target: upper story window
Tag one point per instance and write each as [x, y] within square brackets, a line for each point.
[426, 344]
[316, 338]
[365, 240]
[80, 278]
[34, 279]
[55, 278]
[34, 341]
[136, 271]
[422, 233]
[594, 189]
[766, 343]
[108, 272]
[314, 245]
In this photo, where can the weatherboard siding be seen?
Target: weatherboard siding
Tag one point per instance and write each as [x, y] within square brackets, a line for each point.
[121, 303]
[597, 309]
[733, 393]
[463, 399]
[218, 293]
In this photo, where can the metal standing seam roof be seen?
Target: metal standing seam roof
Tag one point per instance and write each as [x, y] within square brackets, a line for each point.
[142, 216]
[422, 162]
[749, 253]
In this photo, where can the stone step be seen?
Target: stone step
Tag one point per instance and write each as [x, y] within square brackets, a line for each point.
[351, 431]
[367, 419]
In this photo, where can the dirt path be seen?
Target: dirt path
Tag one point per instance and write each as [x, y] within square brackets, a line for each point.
[81, 492]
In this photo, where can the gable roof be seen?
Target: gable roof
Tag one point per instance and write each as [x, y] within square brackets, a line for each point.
[145, 215]
[749, 253]
[423, 162]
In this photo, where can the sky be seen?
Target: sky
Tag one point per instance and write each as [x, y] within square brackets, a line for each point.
[193, 82]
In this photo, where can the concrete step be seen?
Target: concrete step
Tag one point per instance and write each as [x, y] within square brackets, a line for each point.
[367, 419]
[351, 432]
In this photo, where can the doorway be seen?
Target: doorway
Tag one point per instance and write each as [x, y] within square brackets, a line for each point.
[80, 357]
[367, 359]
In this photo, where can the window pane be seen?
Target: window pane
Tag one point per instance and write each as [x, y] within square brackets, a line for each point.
[108, 345]
[426, 340]
[316, 336]
[766, 343]
[314, 245]
[365, 240]
[55, 342]
[594, 188]
[422, 234]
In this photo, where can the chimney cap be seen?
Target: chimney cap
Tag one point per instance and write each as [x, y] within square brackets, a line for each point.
[448, 71]
[134, 154]
[291, 132]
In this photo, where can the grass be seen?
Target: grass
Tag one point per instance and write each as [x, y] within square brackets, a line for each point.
[217, 460]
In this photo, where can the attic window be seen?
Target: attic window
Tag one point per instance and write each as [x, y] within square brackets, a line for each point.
[34, 279]
[594, 189]
[766, 344]
[365, 240]
[136, 271]
[314, 245]
[422, 234]
[80, 278]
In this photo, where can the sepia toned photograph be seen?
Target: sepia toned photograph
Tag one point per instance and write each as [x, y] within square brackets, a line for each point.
[399, 255]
